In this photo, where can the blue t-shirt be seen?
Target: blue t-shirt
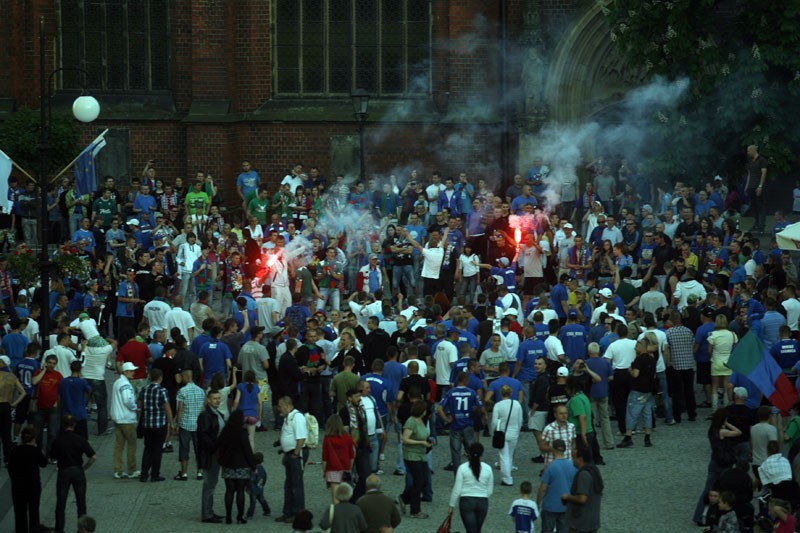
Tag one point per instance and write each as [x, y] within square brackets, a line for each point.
[701, 338]
[558, 477]
[529, 350]
[417, 233]
[198, 343]
[602, 367]
[85, 235]
[557, 295]
[475, 383]
[214, 354]
[248, 182]
[144, 202]
[460, 403]
[465, 337]
[25, 371]
[541, 330]
[72, 392]
[126, 309]
[156, 350]
[248, 400]
[524, 512]
[606, 341]
[381, 390]
[573, 337]
[458, 367]
[785, 352]
[394, 372]
[508, 274]
[14, 345]
[516, 387]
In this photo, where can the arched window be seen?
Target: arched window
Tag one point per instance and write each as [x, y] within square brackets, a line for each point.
[329, 47]
[122, 44]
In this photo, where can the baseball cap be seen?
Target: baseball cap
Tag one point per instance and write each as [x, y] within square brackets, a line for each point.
[503, 261]
[708, 311]
[568, 225]
[740, 392]
[511, 311]
[605, 292]
[127, 367]
[572, 314]
[598, 202]
[133, 222]
[373, 256]
[5, 359]
[131, 270]
[450, 331]
[719, 178]
[562, 372]
[692, 299]
[158, 215]
[90, 283]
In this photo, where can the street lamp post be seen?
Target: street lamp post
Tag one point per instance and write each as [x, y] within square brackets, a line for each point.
[360, 99]
[85, 109]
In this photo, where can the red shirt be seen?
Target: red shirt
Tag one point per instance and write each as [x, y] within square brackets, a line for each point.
[135, 352]
[48, 389]
[338, 453]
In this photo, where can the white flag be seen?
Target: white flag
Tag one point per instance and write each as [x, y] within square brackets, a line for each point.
[5, 171]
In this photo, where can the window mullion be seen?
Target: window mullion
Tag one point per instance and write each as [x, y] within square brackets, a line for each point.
[300, 54]
[148, 48]
[405, 47]
[379, 52]
[326, 52]
[353, 45]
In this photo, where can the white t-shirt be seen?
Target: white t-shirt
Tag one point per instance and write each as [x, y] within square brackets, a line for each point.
[423, 367]
[468, 268]
[31, 331]
[432, 192]
[792, 306]
[178, 318]
[662, 343]
[554, 347]
[156, 313]
[294, 428]
[621, 352]
[432, 262]
[651, 301]
[509, 345]
[293, 181]
[445, 355]
[265, 307]
[94, 362]
[750, 268]
[533, 260]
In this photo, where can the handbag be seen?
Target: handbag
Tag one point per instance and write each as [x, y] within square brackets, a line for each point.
[499, 437]
[445, 526]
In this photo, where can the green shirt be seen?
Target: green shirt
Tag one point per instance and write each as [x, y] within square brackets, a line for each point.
[105, 209]
[197, 203]
[73, 196]
[285, 210]
[341, 383]
[415, 452]
[793, 431]
[579, 405]
[259, 208]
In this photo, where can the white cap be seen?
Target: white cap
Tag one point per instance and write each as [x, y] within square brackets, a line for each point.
[568, 225]
[5, 359]
[127, 367]
[740, 392]
[606, 293]
[133, 222]
[511, 311]
[562, 372]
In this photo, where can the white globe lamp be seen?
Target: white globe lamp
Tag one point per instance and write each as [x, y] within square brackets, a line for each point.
[86, 108]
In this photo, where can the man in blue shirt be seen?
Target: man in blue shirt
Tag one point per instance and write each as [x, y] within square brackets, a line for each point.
[248, 180]
[529, 350]
[215, 356]
[85, 235]
[573, 337]
[72, 394]
[493, 394]
[526, 198]
[556, 480]
[559, 299]
[786, 351]
[15, 343]
[459, 408]
[144, 206]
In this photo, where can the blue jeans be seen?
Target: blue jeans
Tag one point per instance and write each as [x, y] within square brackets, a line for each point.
[399, 465]
[473, 512]
[526, 398]
[294, 498]
[714, 471]
[554, 522]
[100, 392]
[458, 438]
[662, 383]
[639, 404]
[404, 274]
[375, 451]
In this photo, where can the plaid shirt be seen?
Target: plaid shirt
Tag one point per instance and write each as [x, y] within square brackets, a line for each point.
[681, 342]
[193, 399]
[153, 397]
[553, 431]
[774, 469]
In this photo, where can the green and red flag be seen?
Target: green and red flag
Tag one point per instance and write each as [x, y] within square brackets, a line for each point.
[751, 359]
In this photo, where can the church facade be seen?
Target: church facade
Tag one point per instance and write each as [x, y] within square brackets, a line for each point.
[455, 85]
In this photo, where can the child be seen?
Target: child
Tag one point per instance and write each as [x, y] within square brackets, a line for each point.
[524, 511]
[782, 512]
[713, 512]
[728, 522]
[257, 482]
[303, 521]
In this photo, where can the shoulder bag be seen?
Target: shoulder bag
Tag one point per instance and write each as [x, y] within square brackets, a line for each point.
[499, 437]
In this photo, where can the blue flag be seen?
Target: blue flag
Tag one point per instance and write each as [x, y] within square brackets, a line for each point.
[85, 173]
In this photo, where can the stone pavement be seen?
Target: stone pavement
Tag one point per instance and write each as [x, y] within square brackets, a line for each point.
[647, 489]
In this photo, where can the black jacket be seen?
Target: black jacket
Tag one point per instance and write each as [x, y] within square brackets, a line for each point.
[289, 377]
[375, 346]
[234, 451]
[207, 435]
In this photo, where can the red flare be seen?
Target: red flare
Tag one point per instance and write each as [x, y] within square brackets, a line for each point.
[518, 235]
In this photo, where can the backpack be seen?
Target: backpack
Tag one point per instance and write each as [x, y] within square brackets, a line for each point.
[312, 441]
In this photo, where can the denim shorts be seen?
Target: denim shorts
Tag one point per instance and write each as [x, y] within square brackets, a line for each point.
[185, 437]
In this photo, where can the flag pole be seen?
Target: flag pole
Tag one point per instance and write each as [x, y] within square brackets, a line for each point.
[77, 157]
[24, 172]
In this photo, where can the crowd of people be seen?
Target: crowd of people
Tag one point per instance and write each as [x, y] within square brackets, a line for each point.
[342, 313]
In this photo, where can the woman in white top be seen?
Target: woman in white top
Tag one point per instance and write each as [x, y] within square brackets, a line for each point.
[472, 489]
[720, 345]
[507, 416]
[218, 384]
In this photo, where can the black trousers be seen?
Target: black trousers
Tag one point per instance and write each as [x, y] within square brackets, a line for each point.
[74, 477]
[620, 388]
[447, 282]
[413, 494]
[26, 498]
[153, 449]
[363, 470]
[681, 389]
[5, 429]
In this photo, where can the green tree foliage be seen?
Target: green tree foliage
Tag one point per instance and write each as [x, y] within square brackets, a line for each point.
[743, 63]
[19, 138]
